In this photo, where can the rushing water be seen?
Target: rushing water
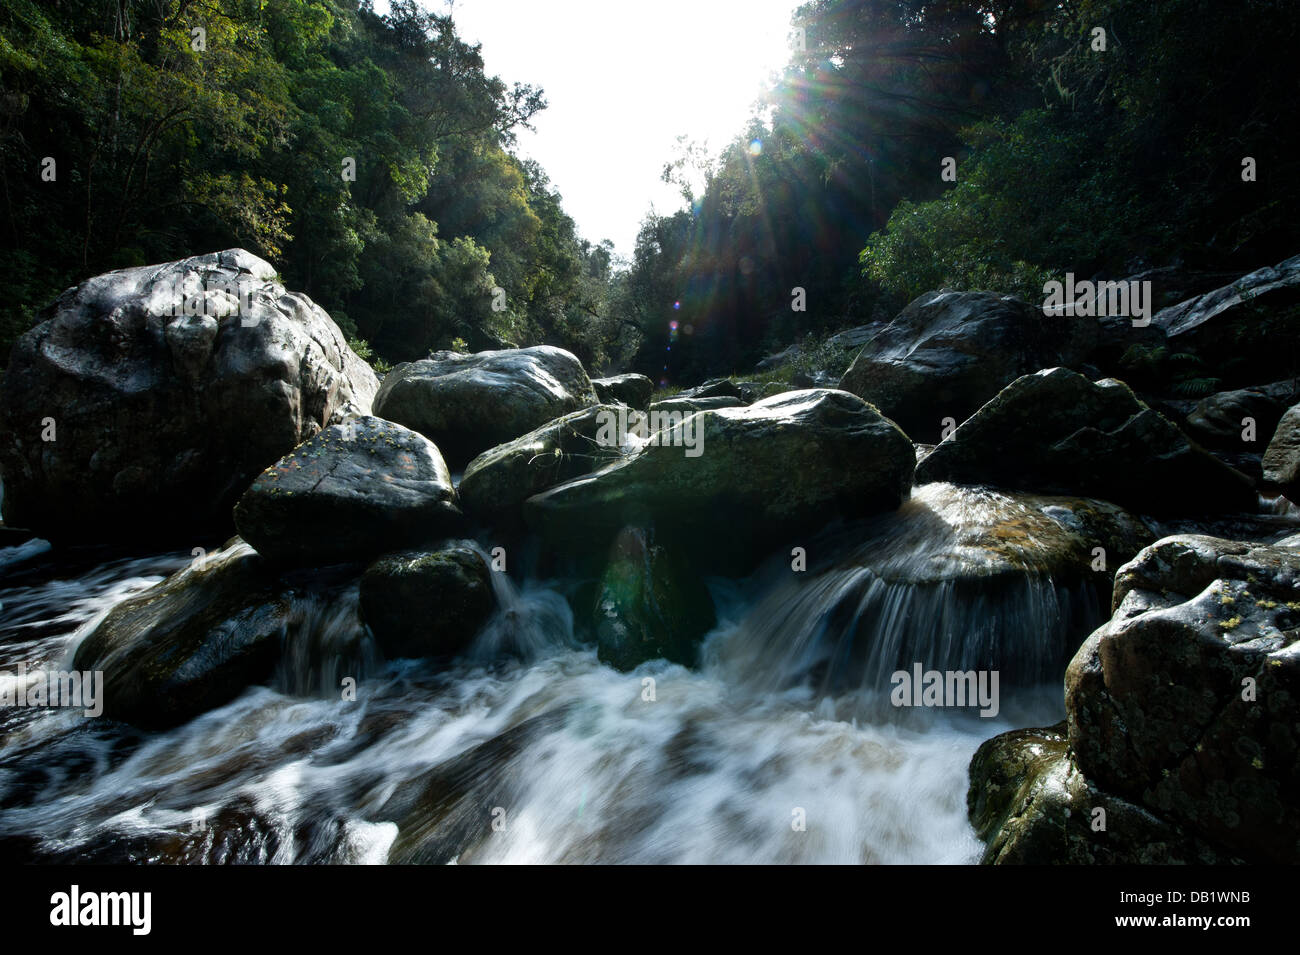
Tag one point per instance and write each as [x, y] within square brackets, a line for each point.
[527, 748]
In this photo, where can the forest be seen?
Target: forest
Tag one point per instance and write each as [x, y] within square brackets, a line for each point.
[908, 145]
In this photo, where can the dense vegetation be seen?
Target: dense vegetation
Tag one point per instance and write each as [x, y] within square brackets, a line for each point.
[1068, 157]
[168, 142]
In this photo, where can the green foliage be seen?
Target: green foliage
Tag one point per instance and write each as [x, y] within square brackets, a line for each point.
[165, 149]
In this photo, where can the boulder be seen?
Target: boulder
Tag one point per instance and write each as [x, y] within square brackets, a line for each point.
[1031, 805]
[191, 643]
[956, 579]
[723, 481]
[351, 493]
[150, 397]
[426, 604]
[1282, 456]
[497, 482]
[632, 390]
[1217, 421]
[467, 404]
[649, 605]
[948, 353]
[1058, 432]
[1243, 332]
[1188, 701]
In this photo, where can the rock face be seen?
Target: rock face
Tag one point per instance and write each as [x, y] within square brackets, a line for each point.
[191, 643]
[649, 605]
[1282, 458]
[127, 417]
[632, 390]
[354, 491]
[1188, 701]
[1246, 331]
[426, 604]
[469, 403]
[1058, 432]
[755, 474]
[497, 482]
[949, 352]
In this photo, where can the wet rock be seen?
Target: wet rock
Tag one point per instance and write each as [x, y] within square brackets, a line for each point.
[1032, 806]
[632, 390]
[1188, 701]
[426, 604]
[467, 404]
[1243, 332]
[497, 482]
[1220, 420]
[649, 605]
[126, 418]
[191, 643]
[349, 494]
[1057, 432]
[726, 480]
[949, 352]
[1282, 457]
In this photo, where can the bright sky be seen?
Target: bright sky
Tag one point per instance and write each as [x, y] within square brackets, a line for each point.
[624, 79]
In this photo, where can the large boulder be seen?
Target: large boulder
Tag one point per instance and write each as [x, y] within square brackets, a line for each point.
[649, 605]
[1188, 701]
[1282, 457]
[351, 493]
[191, 643]
[426, 604]
[724, 482]
[497, 482]
[949, 352]
[1244, 332]
[150, 397]
[1058, 432]
[469, 403]
[630, 389]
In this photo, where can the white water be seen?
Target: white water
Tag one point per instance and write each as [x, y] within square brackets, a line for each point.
[528, 729]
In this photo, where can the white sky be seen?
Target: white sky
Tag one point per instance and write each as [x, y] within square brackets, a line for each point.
[625, 78]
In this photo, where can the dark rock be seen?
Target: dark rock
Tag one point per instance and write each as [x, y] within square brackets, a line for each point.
[1032, 806]
[1188, 701]
[353, 492]
[949, 352]
[632, 390]
[649, 605]
[191, 643]
[757, 473]
[467, 404]
[161, 420]
[429, 604]
[1057, 432]
[1244, 332]
[497, 482]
